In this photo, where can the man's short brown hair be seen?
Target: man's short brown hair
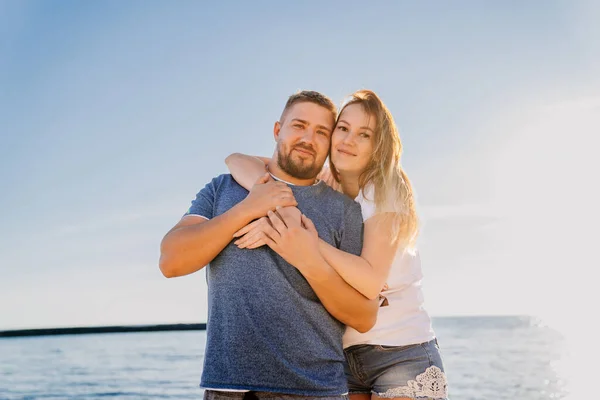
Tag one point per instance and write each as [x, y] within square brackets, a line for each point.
[310, 96]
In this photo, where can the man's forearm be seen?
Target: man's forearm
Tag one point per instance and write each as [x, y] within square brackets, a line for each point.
[342, 301]
[187, 249]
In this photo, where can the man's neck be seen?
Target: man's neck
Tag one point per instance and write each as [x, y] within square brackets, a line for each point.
[280, 174]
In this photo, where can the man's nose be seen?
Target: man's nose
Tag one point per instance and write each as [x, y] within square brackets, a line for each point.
[309, 136]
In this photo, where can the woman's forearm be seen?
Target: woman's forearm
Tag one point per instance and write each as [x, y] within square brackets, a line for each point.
[355, 270]
[245, 169]
[342, 301]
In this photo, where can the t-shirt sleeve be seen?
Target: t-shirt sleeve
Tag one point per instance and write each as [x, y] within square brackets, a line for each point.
[367, 206]
[352, 230]
[367, 203]
[203, 204]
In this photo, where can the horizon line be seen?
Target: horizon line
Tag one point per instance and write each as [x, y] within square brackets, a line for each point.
[81, 330]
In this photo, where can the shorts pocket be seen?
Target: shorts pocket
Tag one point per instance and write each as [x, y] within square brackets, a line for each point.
[382, 347]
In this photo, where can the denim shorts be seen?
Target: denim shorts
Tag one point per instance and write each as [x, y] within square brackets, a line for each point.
[252, 395]
[414, 371]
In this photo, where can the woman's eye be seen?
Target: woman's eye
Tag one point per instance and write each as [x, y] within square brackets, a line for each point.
[365, 135]
[343, 128]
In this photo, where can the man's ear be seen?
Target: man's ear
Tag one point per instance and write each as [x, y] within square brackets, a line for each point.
[276, 129]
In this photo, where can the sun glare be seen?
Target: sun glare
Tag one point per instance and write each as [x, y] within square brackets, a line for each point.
[544, 184]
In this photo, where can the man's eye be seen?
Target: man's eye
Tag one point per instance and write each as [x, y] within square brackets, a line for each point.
[322, 133]
[297, 126]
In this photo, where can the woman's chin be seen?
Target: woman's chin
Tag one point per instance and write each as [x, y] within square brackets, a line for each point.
[346, 170]
[339, 166]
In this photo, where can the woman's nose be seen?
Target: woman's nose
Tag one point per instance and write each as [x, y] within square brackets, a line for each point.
[348, 139]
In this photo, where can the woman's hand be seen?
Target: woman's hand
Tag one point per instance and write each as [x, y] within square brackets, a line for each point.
[252, 235]
[268, 194]
[297, 245]
[290, 234]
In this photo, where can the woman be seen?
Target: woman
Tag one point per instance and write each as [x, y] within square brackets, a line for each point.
[399, 358]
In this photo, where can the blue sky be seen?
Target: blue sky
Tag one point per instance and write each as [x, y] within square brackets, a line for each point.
[114, 114]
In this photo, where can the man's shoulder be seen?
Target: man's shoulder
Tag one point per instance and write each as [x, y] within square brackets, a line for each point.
[223, 181]
[223, 186]
[225, 178]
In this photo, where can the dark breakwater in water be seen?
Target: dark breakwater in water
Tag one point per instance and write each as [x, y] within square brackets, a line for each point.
[101, 329]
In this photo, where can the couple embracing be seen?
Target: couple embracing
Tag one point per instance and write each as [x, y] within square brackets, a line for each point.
[314, 281]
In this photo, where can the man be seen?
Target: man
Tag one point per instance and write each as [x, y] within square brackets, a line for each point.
[271, 329]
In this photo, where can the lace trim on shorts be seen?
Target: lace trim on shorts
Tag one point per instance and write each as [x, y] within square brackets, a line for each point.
[432, 384]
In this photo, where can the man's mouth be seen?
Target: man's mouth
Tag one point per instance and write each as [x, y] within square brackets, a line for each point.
[304, 151]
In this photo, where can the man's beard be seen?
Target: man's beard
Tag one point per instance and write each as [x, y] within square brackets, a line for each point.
[298, 171]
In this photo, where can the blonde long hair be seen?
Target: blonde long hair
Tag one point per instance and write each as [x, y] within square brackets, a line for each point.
[392, 188]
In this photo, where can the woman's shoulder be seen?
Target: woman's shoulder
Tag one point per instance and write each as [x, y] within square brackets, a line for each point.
[366, 199]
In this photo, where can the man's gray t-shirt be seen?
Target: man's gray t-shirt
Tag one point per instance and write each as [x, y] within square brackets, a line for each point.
[267, 329]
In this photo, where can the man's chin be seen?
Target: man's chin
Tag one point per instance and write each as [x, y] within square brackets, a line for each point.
[302, 160]
[303, 173]
[299, 167]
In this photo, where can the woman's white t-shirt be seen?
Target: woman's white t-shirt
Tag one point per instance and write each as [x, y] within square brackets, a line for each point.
[403, 320]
